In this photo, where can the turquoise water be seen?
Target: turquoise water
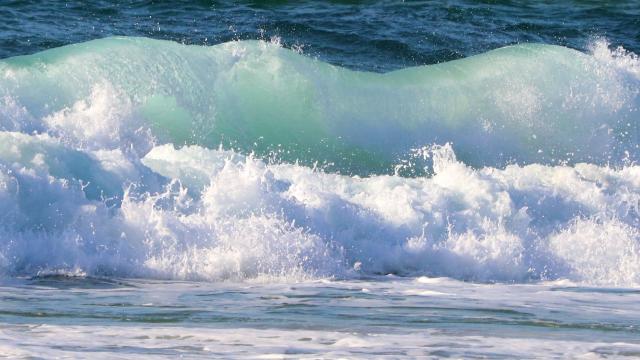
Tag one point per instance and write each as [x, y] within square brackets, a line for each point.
[306, 180]
[257, 97]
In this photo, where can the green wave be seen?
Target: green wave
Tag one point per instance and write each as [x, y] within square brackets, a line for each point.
[525, 103]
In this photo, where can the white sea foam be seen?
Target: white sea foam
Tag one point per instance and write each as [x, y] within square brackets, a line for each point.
[91, 181]
[193, 342]
[229, 216]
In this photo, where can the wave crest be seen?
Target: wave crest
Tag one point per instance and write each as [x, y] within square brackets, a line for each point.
[216, 163]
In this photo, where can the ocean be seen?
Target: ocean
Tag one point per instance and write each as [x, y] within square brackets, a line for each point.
[342, 179]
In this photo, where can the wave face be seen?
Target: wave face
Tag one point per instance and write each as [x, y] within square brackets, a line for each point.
[524, 104]
[138, 157]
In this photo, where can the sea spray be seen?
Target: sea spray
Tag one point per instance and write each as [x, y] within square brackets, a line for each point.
[246, 161]
[228, 216]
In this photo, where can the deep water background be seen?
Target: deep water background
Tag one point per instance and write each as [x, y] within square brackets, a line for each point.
[364, 35]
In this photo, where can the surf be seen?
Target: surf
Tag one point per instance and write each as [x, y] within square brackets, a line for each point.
[245, 161]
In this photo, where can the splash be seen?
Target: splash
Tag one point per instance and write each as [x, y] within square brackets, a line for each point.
[246, 160]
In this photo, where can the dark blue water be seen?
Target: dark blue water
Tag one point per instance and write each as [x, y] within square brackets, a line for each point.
[366, 35]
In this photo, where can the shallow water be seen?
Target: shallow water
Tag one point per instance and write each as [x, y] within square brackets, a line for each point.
[254, 181]
[377, 317]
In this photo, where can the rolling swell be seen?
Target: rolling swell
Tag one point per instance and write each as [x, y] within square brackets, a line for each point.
[95, 176]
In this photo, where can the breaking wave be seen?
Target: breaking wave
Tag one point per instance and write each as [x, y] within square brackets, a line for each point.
[138, 157]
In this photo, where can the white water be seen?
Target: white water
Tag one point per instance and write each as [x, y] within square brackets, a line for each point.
[89, 186]
[228, 216]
